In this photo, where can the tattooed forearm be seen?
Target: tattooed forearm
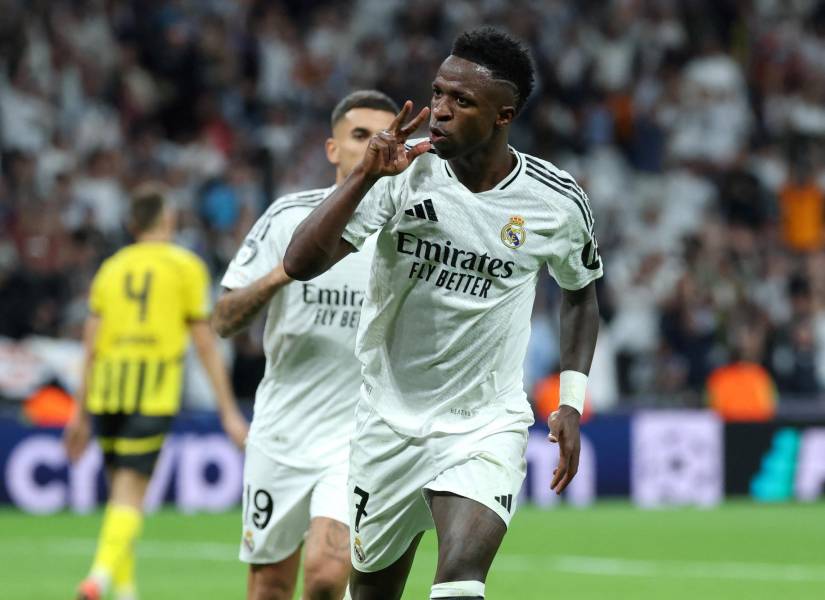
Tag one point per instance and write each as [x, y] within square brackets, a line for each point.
[235, 309]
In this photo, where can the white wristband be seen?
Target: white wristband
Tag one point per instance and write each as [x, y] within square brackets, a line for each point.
[572, 389]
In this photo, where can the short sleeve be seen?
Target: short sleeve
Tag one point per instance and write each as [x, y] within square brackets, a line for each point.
[97, 292]
[377, 207]
[264, 247]
[576, 261]
[196, 290]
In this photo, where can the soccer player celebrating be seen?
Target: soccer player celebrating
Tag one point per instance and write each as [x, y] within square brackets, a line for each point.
[145, 302]
[465, 222]
[295, 475]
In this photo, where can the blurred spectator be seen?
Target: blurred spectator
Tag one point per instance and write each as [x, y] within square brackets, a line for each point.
[27, 119]
[802, 210]
[696, 128]
[49, 406]
[744, 389]
[794, 355]
[742, 392]
[99, 199]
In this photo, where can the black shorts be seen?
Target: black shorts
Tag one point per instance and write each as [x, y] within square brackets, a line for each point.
[131, 441]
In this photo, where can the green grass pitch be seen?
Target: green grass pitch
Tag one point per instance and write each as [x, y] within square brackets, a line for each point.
[610, 551]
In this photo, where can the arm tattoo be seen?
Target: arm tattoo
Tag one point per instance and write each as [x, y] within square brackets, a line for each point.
[235, 310]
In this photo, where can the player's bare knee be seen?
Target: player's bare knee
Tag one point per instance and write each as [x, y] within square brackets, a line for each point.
[456, 561]
[268, 583]
[270, 590]
[325, 588]
[326, 582]
[327, 561]
[384, 585]
[459, 569]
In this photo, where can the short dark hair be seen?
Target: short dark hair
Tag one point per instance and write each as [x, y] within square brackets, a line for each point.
[148, 202]
[363, 99]
[505, 56]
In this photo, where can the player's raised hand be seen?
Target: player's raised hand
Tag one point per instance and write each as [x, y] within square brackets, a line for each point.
[386, 153]
[564, 431]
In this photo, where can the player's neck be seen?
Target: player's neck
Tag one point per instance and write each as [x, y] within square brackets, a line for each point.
[156, 236]
[483, 169]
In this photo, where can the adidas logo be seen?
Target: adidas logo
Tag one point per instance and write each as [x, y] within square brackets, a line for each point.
[424, 210]
[506, 501]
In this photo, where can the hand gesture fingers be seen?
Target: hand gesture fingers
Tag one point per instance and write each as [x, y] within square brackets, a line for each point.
[419, 149]
[386, 154]
[410, 127]
[387, 147]
[395, 126]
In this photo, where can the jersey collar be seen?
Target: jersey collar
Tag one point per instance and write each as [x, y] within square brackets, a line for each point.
[504, 183]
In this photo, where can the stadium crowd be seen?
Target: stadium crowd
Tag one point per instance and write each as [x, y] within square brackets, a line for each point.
[694, 125]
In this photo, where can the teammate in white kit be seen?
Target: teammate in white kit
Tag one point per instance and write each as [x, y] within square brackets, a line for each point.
[465, 223]
[295, 473]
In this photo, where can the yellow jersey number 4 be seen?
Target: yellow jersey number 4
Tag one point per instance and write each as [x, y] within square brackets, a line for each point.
[139, 294]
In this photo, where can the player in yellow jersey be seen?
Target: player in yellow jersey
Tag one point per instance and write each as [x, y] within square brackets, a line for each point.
[145, 302]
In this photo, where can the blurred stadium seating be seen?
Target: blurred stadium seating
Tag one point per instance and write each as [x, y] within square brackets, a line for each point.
[695, 127]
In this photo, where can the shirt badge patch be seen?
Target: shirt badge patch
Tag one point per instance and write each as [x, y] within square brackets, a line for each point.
[514, 234]
[247, 252]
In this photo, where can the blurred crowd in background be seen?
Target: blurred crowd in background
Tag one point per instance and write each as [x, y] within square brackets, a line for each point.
[695, 126]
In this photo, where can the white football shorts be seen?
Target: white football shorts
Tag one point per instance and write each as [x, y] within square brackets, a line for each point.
[279, 502]
[389, 474]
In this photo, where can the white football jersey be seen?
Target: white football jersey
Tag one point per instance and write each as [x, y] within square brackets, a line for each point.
[304, 406]
[445, 325]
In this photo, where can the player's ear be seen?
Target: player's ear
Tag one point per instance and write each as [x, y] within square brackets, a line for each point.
[505, 116]
[333, 153]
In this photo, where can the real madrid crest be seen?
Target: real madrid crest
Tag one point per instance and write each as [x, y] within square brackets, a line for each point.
[249, 540]
[514, 234]
[358, 547]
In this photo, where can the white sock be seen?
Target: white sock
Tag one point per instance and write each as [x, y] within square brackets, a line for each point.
[458, 589]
